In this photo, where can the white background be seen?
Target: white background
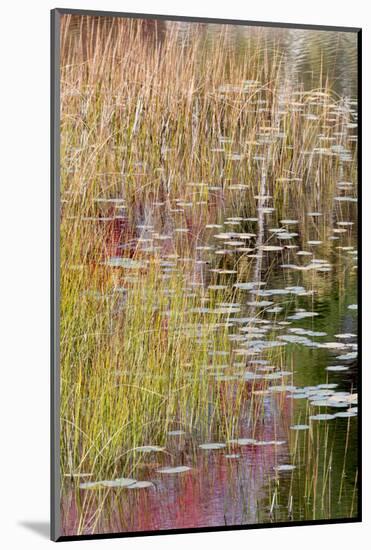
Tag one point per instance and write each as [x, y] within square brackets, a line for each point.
[24, 269]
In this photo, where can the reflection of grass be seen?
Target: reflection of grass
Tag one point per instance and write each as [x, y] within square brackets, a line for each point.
[317, 488]
[140, 123]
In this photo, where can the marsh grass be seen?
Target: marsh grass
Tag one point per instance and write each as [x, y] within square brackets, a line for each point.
[176, 122]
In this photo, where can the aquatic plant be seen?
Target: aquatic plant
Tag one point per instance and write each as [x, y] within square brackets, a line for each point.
[181, 162]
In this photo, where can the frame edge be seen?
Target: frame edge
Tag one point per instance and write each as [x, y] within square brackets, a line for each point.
[54, 274]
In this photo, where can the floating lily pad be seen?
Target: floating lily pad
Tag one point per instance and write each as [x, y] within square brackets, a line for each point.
[212, 446]
[302, 315]
[299, 427]
[345, 414]
[76, 475]
[126, 263]
[268, 248]
[322, 417]
[332, 345]
[247, 286]
[264, 443]
[149, 449]
[276, 309]
[285, 468]
[120, 482]
[336, 368]
[174, 470]
[243, 441]
[347, 356]
[302, 331]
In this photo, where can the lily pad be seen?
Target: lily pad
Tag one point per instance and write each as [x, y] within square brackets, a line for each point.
[345, 414]
[347, 356]
[174, 470]
[243, 441]
[120, 482]
[149, 449]
[264, 443]
[126, 263]
[212, 446]
[270, 248]
[337, 368]
[322, 417]
[299, 427]
[285, 468]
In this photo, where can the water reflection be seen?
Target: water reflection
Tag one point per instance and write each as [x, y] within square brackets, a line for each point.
[254, 265]
[312, 57]
[225, 491]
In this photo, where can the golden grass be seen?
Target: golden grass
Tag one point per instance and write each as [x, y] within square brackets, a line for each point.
[141, 121]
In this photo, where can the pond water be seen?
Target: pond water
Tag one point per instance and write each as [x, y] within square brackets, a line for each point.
[310, 56]
[278, 269]
[234, 485]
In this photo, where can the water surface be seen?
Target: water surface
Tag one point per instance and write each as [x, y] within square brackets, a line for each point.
[287, 262]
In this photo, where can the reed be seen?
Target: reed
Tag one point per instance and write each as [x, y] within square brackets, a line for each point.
[177, 124]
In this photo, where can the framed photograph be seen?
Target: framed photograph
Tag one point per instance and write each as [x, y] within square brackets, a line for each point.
[205, 235]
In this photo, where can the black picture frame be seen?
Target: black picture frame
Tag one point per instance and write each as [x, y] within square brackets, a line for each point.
[55, 267]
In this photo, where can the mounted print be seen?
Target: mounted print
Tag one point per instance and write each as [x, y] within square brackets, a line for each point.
[205, 187]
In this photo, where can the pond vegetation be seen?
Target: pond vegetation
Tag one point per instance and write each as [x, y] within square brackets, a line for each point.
[208, 279]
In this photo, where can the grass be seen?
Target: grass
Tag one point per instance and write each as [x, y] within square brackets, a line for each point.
[163, 127]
